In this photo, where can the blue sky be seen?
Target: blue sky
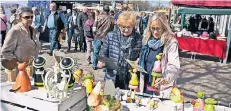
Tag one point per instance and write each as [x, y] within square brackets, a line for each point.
[162, 2]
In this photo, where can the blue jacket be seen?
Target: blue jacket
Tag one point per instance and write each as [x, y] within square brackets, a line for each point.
[111, 49]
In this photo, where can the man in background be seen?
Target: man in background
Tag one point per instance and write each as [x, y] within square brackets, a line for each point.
[82, 18]
[103, 25]
[55, 22]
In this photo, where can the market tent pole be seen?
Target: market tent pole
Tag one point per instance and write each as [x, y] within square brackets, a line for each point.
[228, 44]
[175, 16]
[182, 20]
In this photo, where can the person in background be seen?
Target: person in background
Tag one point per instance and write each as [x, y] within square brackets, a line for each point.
[75, 29]
[70, 29]
[139, 24]
[120, 44]
[124, 8]
[96, 14]
[89, 34]
[82, 18]
[3, 24]
[21, 43]
[158, 40]
[36, 23]
[145, 18]
[13, 20]
[55, 22]
[103, 25]
[211, 25]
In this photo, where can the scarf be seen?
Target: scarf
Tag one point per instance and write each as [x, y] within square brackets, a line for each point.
[156, 46]
[125, 51]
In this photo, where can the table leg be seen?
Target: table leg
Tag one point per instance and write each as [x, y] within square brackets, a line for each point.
[191, 55]
[194, 56]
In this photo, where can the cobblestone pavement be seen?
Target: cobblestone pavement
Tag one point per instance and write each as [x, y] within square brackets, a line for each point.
[211, 77]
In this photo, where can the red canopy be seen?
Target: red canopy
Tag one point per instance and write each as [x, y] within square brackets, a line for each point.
[203, 3]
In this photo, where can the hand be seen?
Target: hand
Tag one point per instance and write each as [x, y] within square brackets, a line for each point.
[28, 60]
[101, 64]
[35, 28]
[160, 81]
[9, 64]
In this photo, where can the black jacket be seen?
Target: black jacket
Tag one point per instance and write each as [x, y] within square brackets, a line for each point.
[59, 24]
[82, 18]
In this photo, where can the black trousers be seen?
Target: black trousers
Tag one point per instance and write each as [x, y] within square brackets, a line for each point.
[3, 33]
[82, 41]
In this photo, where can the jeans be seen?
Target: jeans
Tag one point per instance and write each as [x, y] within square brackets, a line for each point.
[54, 34]
[97, 46]
[89, 50]
[70, 35]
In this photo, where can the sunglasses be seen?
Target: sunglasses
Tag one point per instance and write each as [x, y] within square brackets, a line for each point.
[123, 28]
[28, 17]
[156, 28]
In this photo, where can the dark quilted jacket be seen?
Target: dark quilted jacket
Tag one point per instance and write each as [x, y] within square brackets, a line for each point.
[111, 49]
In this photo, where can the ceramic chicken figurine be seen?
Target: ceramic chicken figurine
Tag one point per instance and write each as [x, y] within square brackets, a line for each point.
[133, 83]
[22, 83]
[78, 74]
[88, 82]
[176, 95]
[199, 102]
[156, 72]
[209, 104]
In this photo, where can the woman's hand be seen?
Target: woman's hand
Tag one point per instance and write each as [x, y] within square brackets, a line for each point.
[160, 81]
[101, 64]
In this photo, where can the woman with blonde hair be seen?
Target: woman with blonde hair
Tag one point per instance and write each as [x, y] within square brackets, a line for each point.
[120, 44]
[158, 40]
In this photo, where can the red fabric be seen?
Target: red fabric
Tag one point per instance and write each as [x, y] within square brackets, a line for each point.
[210, 47]
[203, 3]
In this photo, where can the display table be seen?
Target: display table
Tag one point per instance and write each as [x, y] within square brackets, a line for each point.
[37, 100]
[187, 106]
[133, 107]
[210, 47]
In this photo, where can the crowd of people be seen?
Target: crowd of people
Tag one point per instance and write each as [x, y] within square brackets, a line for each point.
[117, 36]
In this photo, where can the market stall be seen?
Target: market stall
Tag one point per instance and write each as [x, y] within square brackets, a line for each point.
[210, 47]
[222, 50]
[65, 87]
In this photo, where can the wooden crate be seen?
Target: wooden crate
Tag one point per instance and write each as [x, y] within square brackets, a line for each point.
[35, 100]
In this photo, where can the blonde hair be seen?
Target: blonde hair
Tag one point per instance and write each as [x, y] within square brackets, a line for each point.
[127, 17]
[164, 24]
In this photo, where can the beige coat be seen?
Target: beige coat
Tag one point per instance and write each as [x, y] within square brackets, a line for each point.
[18, 44]
[170, 65]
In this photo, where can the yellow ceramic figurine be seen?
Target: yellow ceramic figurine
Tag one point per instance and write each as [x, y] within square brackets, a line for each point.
[176, 95]
[133, 83]
[88, 83]
[78, 74]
